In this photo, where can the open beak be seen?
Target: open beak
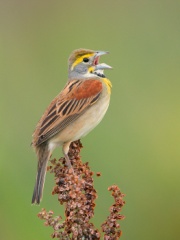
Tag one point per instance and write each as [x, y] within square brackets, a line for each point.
[100, 66]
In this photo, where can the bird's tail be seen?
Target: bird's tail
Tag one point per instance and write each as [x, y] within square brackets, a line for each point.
[43, 157]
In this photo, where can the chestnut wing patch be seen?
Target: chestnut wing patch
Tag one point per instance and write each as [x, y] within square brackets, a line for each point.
[68, 106]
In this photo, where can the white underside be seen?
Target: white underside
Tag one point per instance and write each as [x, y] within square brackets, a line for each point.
[83, 125]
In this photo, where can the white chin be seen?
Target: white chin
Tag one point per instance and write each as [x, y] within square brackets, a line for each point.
[95, 73]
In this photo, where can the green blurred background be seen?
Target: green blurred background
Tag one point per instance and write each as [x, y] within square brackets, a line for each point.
[137, 144]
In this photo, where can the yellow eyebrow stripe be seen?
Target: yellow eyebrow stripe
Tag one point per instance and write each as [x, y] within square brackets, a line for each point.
[80, 59]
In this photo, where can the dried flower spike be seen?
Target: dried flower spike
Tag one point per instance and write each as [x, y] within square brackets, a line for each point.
[75, 190]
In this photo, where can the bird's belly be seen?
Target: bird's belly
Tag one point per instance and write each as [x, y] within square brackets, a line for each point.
[83, 125]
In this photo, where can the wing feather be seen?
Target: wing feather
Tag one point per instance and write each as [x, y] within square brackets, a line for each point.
[69, 105]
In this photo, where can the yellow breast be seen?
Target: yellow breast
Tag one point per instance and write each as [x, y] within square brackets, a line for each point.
[108, 84]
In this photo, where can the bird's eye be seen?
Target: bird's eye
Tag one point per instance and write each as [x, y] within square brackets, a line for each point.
[85, 60]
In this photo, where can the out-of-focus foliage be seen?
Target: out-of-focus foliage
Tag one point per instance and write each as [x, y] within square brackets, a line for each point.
[137, 144]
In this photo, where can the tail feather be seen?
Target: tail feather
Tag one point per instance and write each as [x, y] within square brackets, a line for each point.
[43, 156]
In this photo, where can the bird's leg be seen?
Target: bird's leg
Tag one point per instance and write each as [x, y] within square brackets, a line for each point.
[65, 152]
[68, 161]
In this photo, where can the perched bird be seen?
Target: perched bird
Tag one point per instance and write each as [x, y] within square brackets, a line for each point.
[78, 108]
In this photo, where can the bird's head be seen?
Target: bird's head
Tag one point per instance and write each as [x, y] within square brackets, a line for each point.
[84, 63]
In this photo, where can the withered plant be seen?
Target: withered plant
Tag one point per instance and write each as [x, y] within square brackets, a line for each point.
[75, 190]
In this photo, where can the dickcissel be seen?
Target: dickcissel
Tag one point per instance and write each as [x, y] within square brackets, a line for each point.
[78, 108]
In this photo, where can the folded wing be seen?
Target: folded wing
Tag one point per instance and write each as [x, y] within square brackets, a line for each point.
[70, 104]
